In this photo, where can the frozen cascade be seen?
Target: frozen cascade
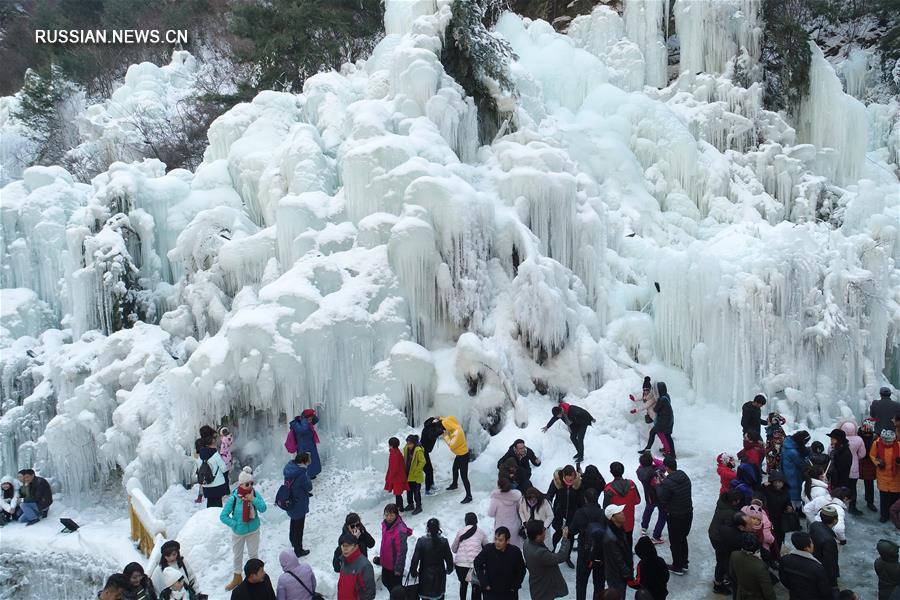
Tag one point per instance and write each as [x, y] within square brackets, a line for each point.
[837, 124]
[644, 26]
[352, 248]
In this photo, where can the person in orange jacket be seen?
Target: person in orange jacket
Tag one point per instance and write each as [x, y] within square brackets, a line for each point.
[885, 453]
[395, 480]
[455, 438]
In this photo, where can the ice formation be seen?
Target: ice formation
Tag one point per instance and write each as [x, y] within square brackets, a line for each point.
[352, 248]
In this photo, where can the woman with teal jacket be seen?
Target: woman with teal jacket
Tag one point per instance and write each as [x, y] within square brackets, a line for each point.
[241, 514]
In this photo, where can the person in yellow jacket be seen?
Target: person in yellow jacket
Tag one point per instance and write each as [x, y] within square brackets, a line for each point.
[455, 438]
[414, 455]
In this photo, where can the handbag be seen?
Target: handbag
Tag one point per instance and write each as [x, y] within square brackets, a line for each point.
[315, 595]
[790, 521]
[410, 590]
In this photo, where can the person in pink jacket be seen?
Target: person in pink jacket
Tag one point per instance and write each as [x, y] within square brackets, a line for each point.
[466, 546]
[761, 525]
[392, 556]
[226, 439]
[504, 508]
[857, 452]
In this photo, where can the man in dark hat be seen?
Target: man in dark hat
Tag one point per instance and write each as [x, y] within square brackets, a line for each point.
[841, 460]
[883, 410]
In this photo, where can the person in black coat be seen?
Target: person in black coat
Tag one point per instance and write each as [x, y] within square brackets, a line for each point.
[617, 556]
[431, 431]
[674, 495]
[565, 496]
[353, 525]
[825, 545]
[256, 584]
[577, 419]
[801, 572]
[778, 502]
[652, 574]
[883, 410]
[841, 460]
[728, 540]
[432, 561]
[500, 568]
[588, 520]
[751, 415]
[37, 490]
[139, 585]
[524, 458]
[591, 478]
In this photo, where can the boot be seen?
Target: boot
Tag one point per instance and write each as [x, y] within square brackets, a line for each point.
[871, 506]
[853, 510]
[235, 581]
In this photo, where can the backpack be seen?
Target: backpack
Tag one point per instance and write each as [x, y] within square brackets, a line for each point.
[205, 475]
[284, 498]
[290, 442]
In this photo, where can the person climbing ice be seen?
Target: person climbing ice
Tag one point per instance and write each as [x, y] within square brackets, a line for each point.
[303, 437]
[577, 420]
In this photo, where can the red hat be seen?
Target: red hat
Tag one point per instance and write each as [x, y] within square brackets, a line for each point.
[308, 412]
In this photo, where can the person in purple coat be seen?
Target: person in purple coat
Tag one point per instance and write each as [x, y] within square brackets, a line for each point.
[298, 582]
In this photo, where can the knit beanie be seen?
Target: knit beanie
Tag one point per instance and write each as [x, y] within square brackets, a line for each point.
[647, 385]
[246, 476]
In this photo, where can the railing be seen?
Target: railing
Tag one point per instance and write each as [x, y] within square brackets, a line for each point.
[145, 527]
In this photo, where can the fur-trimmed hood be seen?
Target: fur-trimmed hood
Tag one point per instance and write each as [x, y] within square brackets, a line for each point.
[558, 480]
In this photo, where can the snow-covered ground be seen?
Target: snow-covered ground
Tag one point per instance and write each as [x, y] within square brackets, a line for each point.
[700, 434]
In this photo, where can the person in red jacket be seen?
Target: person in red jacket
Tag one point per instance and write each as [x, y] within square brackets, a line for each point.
[396, 481]
[622, 492]
[727, 470]
[754, 451]
[357, 577]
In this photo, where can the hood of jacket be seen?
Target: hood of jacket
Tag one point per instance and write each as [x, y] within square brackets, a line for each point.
[888, 550]
[661, 389]
[7, 479]
[558, 480]
[621, 486]
[645, 549]
[288, 560]
[292, 470]
[745, 473]
[849, 427]
[506, 498]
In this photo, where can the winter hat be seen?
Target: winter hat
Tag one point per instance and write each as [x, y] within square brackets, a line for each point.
[885, 392]
[223, 431]
[726, 459]
[829, 511]
[308, 412]
[171, 575]
[868, 425]
[613, 509]
[888, 436]
[647, 385]
[246, 476]
[839, 435]
[348, 538]
[749, 543]
[801, 437]
[776, 476]
[888, 550]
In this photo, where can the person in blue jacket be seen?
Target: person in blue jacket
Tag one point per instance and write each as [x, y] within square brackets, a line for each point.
[793, 463]
[241, 515]
[304, 429]
[297, 472]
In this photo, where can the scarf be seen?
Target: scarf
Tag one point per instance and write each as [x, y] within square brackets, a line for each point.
[247, 509]
[308, 415]
[881, 448]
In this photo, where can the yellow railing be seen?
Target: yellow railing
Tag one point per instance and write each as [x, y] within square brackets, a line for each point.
[139, 534]
[144, 526]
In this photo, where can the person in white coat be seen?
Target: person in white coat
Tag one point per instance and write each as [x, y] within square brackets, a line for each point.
[815, 484]
[465, 547]
[504, 507]
[534, 507]
[9, 500]
[838, 499]
[857, 452]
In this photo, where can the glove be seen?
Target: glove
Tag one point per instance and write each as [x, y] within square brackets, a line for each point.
[633, 399]
[843, 542]
[633, 410]
[376, 561]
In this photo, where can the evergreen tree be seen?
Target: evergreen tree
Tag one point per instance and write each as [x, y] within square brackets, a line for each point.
[479, 61]
[40, 104]
[290, 40]
[785, 55]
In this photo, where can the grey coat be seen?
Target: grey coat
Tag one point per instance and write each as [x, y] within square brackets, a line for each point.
[545, 580]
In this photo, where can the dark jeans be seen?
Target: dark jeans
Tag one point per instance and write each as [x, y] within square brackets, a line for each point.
[398, 500]
[414, 495]
[885, 499]
[869, 485]
[851, 485]
[429, 472]
[390, 579]
[461, 468]
[679, 528]
[583, 573]
[660, 518]
[296, 534]
[722, 564]
[461, 573]
[576, 434]
[217, 501]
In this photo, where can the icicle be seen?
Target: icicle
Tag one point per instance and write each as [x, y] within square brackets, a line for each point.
[643, 25]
